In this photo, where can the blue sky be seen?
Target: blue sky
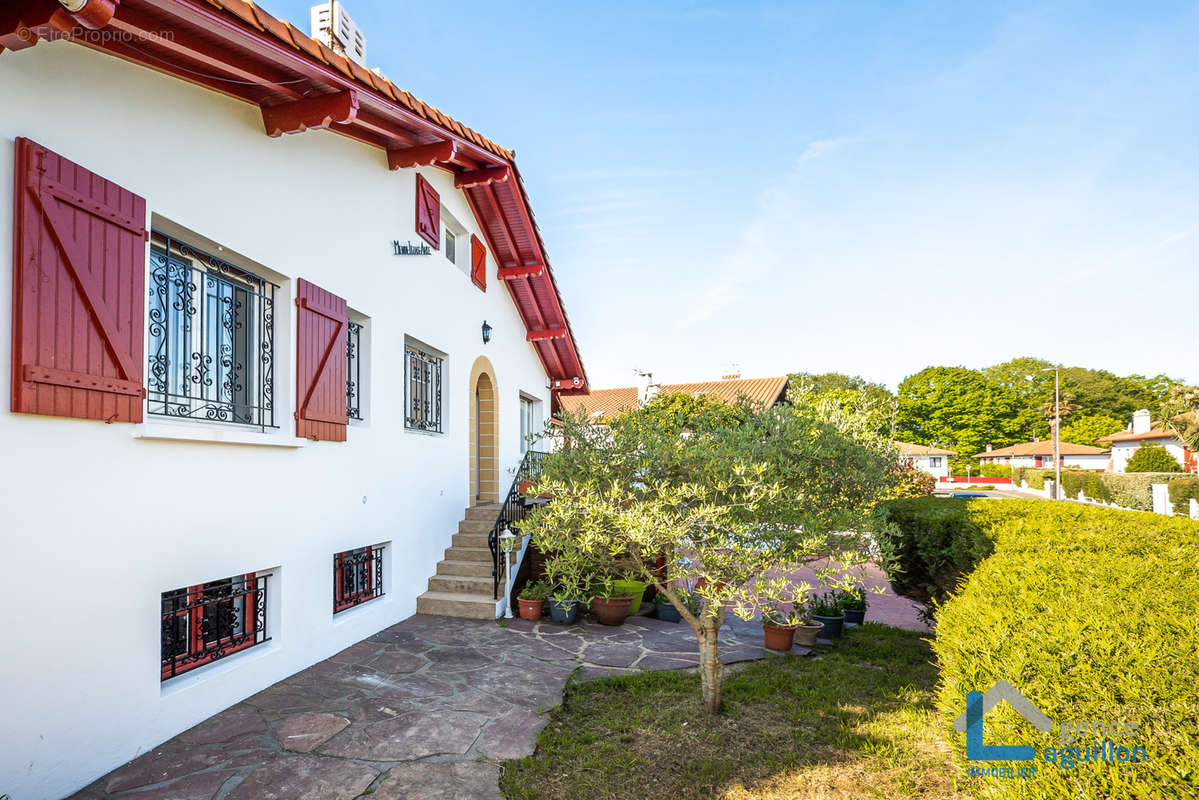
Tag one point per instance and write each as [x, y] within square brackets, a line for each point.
[815, 187]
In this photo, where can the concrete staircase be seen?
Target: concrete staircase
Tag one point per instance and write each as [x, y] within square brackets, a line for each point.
[462, 586]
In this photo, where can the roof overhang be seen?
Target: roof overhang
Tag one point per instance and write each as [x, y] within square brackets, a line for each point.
[235, 48]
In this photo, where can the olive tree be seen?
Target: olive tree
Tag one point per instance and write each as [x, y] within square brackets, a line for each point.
[695, 492]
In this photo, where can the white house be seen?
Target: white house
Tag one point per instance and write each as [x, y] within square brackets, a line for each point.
[274, 324]
[1143, 432]
[1040, 454]
[933, 460]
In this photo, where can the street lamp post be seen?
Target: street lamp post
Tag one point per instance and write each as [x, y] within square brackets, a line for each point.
[1057, 431]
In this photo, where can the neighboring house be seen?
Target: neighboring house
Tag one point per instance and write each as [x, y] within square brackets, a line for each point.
[1040, 454]
[602, 405]
[252, 390]
[1143, 432]
[933, 460]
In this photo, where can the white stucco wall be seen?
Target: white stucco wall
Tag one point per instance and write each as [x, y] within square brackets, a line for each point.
[923, 464]
[98, 522]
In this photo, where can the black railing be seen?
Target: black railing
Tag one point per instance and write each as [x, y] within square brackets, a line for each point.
[212, 336]
[201, 624]
[357, 577]
[511, 513]
[354, 370]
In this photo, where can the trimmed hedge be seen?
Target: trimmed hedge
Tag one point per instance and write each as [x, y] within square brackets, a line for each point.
[995, 471]
[929, 547]
[1090, 613]
[1182, 491]
[1129, 490]
[1034, 475]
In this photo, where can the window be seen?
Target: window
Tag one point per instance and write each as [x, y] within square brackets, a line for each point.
[357, 577]
[354, 370]
[934, 461]
[203, 623]
[422, 389]
[211, 338]
[455, 232]
[451, 244]
[530, 422]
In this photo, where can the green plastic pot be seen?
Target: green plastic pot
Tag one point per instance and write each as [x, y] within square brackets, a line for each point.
[635, 589]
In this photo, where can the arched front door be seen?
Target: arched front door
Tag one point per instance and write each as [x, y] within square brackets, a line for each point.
[484, 434]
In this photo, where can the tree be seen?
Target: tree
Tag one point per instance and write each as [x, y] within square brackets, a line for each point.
[1181, 412]
[873, 403]
[713, 500]
[1086, 428]
[960, 409]
[1152, 458]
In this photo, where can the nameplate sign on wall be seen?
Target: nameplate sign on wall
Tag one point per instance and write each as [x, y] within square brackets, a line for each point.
[410, 249]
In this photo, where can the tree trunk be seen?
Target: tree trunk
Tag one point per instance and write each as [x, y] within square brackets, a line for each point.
[710, 670]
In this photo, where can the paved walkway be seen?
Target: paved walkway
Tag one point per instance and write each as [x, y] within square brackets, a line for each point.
[421, 710]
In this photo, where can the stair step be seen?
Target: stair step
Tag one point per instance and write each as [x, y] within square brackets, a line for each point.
[477, 525]
[478, 569]
[463, 584]
[454, 604]
[456, 553]
[471, 540]
[487, 511]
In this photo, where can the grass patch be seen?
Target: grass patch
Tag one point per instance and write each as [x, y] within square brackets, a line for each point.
[856, 722]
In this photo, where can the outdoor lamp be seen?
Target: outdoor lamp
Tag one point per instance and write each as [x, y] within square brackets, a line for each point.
[507, 542]
[486, 332]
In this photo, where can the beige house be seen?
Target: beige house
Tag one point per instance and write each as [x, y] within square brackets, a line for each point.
[933, 460]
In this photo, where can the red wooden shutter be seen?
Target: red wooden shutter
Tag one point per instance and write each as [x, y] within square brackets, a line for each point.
[79, 291]
[478, 262]
[428, 212]
[320, 364]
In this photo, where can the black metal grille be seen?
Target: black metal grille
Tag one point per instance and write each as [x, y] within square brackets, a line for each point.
[511, 513]
[357, 577]
[422, 390]
[353, 370]
[204, 623]
[212, 334]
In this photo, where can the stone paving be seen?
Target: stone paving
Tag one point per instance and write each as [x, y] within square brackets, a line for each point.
[424, 709]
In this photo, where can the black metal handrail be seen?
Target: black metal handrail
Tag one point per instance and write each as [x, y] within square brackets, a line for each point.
[511, 513]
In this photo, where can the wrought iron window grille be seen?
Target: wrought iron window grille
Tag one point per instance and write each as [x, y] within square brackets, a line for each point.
[357, 577]
[354, 370]
[205, 623]
[212, 333]
[422, 390]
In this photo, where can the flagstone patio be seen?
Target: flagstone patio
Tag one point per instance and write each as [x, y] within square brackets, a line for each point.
[423, 709]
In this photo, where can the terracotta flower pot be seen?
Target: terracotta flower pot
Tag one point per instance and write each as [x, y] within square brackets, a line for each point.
[805, 635]
[530, 609]
[611, 610]
[778, 638]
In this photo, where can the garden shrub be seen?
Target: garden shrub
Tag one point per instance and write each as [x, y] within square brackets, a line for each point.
[929, 546]
[1034, 475]
[1131, 490]
[1090, 613]
[1182, 491]
[995, 471]
[1152, 458]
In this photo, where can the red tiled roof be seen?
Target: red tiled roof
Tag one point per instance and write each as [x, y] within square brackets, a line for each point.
[1043, 449]
[1158, 431]
[909, 449]
[604, 404]
[235, 48]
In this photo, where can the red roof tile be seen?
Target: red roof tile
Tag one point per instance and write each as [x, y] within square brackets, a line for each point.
[604, 404]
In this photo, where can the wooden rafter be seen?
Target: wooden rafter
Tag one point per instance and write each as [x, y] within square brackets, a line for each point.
[312, 112]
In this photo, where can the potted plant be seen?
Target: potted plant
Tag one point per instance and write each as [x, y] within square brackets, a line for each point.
[609, 605]
[634, 588]
[532, 600]
[778, 627]
[853, 604]
[666, 610]
[826, 609]
[807, 630]
[566, 575]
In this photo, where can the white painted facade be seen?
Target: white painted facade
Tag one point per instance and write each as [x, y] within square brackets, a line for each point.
[937, 466]
[101, 519]
[1122, 451]
[1079, 461]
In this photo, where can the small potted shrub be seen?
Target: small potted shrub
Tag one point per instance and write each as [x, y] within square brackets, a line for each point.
[566, 575]
[609, 605]
[807, 630]
[564, 607]
[666, 610]
[826, 609]
[532, 600]
[853, 604]
[778, 627]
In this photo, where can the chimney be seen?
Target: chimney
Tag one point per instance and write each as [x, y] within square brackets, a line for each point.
[732, 373]
[331, 25]
[1140, 421]
[988, 448]
[646, 388]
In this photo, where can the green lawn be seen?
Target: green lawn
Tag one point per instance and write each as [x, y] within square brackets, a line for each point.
[855, 722]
